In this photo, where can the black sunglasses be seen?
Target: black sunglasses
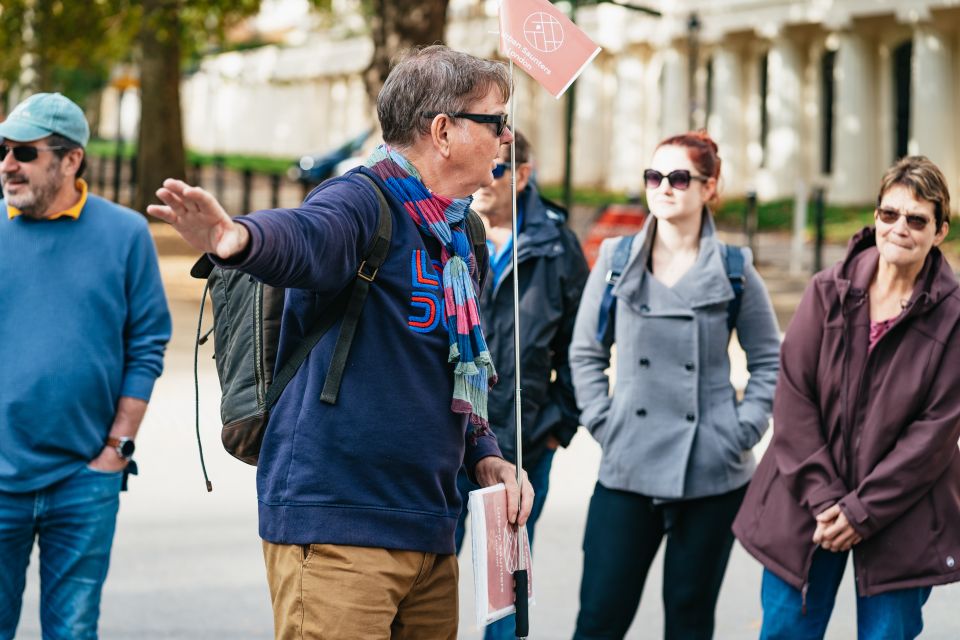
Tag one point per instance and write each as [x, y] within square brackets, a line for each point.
[498, 119]
[915, 221]
[24, 154]
[678, 178]
[499, 170]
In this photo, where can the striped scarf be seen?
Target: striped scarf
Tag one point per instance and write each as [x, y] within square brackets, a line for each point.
[444, 219]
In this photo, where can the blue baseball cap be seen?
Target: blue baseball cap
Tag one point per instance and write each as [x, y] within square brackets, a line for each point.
[43, 114]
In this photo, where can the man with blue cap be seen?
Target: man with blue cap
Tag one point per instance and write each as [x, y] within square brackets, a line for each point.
[82, 335]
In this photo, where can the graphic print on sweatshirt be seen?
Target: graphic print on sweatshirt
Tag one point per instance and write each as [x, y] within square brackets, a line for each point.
[426, 299]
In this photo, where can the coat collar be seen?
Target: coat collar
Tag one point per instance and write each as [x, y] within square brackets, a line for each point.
[705, 284]
[854, 274]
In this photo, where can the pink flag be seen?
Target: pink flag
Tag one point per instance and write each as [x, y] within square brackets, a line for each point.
[544, 43]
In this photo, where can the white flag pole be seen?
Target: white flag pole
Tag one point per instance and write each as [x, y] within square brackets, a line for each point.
[520, 576]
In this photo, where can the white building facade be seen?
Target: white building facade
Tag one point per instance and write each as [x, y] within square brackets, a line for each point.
[797, 93]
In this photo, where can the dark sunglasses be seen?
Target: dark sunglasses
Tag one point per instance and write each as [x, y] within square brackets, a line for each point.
[498, 119]
[678, 178]
[499, 170]
[24, 154]
[915, 221]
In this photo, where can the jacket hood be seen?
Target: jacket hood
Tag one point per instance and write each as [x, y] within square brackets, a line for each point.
[541, 226]
[854, 273]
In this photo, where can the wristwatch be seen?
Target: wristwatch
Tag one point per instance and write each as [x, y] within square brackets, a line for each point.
[124, 446]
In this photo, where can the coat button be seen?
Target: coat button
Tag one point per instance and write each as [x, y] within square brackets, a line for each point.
[644, 363]
[642, 413]
[645, 308]
[689, 366]
[951, 562]
[691, 417]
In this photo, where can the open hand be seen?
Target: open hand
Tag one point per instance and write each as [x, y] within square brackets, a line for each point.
[199, 218]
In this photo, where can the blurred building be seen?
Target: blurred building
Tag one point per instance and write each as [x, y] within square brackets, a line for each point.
[797, 92]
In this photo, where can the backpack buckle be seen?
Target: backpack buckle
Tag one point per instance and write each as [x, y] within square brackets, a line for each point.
[361, 273]
[612, 276]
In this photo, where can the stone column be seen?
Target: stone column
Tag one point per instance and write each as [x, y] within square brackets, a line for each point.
[932, 108]
[726, 122]
[674, 93]
[784, 99]
[591, 151]
[626, 159]
[856, 163]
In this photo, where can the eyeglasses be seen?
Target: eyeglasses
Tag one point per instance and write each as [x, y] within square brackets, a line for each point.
[24, 154]
[678, 178]
[498, 119]
[915, 221]
[499, 170]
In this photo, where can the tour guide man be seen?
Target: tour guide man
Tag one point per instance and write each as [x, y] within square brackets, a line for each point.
[358, 500]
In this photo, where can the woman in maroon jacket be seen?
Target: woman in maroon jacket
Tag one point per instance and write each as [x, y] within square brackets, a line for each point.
[866, 422]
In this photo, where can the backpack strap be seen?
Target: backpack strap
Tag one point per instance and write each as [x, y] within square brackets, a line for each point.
[733, 264]
[607, 317]
[366, 274]
[478, 233]
[348, 308]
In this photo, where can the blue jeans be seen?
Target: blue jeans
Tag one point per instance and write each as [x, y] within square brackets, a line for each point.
[539, 476]
[895, 615]
[74, 521]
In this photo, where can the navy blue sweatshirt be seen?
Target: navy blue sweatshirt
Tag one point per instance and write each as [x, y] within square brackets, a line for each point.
[379, 468]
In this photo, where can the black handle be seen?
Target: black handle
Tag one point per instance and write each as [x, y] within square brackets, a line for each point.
[523, 610]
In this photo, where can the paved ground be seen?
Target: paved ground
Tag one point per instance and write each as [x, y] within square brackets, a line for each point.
[187, 564]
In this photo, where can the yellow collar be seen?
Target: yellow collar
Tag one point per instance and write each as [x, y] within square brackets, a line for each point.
[72, 212]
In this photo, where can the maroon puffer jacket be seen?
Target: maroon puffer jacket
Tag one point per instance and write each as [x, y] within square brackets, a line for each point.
[877, 433]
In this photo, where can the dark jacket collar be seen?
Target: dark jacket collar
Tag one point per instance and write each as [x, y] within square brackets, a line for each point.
[854, 274]
[540, 235]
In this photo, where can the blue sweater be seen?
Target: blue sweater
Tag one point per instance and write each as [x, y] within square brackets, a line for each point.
[379, 468]
[84, 322]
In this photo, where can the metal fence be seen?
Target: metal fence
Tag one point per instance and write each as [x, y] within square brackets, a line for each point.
[238, 191]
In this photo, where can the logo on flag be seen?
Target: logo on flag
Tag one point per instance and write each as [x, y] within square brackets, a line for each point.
[545, 43]
[543, 32]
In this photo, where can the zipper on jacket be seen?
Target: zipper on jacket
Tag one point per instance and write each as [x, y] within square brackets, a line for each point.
[257, 343]
[854, 446]
[806, 580]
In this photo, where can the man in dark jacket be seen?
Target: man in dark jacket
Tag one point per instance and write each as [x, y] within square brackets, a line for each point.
[552, 272]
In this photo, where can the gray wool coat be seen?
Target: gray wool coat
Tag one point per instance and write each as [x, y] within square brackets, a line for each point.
[673, 428]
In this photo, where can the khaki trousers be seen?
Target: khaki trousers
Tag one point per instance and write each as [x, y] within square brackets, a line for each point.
[340, 592]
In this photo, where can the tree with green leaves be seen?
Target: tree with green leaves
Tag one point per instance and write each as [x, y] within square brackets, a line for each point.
[59, 45]
[169, 31]
[72, 46]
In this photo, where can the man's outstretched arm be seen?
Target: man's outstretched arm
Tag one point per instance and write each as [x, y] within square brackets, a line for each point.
[200, 219]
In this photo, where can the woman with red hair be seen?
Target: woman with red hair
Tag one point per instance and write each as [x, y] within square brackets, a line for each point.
[676, 441]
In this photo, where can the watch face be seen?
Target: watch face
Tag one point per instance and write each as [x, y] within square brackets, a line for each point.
[126, 448]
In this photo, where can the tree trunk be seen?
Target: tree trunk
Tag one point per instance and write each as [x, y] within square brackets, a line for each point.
[397, 25]
[160, 150]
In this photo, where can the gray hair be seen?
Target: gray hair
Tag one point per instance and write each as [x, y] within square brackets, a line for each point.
[66, 145]
[434, 79]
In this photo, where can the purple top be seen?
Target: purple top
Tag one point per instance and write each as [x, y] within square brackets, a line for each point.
[878, 329]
